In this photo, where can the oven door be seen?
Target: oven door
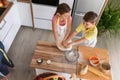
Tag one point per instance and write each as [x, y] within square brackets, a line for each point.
[47, 2]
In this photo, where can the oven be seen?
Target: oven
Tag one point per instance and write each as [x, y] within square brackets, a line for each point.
[47, 2]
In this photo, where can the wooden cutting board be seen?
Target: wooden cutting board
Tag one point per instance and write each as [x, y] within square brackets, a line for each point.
[94, 73]
[49, 51]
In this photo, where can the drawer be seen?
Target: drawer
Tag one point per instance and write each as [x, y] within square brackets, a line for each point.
[42, 11]
[4, 31]
[10, 37]
[43, 24]
[2, 24]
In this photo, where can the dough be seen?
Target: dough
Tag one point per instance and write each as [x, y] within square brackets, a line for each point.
[62, 48]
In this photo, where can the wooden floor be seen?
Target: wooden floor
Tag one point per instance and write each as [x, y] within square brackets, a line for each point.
[23, 46]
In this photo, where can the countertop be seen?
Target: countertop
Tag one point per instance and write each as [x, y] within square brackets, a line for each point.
[6, 11]
[60, 64]
[57, 57]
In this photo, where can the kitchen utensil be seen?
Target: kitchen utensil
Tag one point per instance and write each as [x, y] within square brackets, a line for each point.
[39, 60]
[97, 72]
[72, 55]
[105, 66]
[94, 60]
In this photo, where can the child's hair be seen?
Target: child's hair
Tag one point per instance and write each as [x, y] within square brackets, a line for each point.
[45, 75]
[62, 8]
[90, 17]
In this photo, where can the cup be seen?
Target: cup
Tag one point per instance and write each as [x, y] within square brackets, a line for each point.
[105, 67]
[39, 60]
[94, 60]
[48, 61]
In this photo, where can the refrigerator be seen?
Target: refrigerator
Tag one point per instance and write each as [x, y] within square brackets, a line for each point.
[81, 7]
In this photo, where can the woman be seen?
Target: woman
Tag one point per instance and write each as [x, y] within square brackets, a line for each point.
[61, 23]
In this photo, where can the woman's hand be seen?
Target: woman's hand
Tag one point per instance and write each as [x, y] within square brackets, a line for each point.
[64, 43]
[58, 42]
[68, 45]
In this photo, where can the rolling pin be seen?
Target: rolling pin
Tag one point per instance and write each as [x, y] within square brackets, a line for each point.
[97, 72]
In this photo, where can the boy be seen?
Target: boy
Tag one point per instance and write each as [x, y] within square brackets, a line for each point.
[88, 29]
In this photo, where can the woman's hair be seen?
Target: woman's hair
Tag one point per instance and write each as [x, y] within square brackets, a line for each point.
[45, 75]
[62, 8]
[90, 17]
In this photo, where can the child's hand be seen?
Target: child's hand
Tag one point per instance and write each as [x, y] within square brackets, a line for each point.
[69, 44]
[58, 43]
[64, 43]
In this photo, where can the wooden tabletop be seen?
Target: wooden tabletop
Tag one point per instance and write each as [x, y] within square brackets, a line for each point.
[87, 52]
[49, 51]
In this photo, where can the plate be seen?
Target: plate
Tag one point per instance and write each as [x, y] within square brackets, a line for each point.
[72, 55]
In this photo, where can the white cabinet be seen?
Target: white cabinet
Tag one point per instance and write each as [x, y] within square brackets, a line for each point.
[43, 24]
[43, 11]
[25, 13]
[10, 27]
[43, 15]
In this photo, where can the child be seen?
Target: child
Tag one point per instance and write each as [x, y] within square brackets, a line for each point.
[61, 23]
[88, 29]
[49, 76]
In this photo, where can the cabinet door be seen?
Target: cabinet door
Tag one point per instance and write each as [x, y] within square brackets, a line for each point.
[43, 24]
[43, 11]
[43, 16]
[5, 30]
[7, 24]
[25, 14]
[11, 27]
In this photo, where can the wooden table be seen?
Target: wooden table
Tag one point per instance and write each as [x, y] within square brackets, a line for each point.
[87, 52]
[49, 51]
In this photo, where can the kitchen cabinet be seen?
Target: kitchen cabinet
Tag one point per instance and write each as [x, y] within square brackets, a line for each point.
[43, 15]
[10, 26]
[25, 13]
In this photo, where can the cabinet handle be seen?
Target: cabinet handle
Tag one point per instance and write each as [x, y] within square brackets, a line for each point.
[3, 24]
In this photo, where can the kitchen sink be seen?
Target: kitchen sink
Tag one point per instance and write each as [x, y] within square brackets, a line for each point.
[2, 10]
